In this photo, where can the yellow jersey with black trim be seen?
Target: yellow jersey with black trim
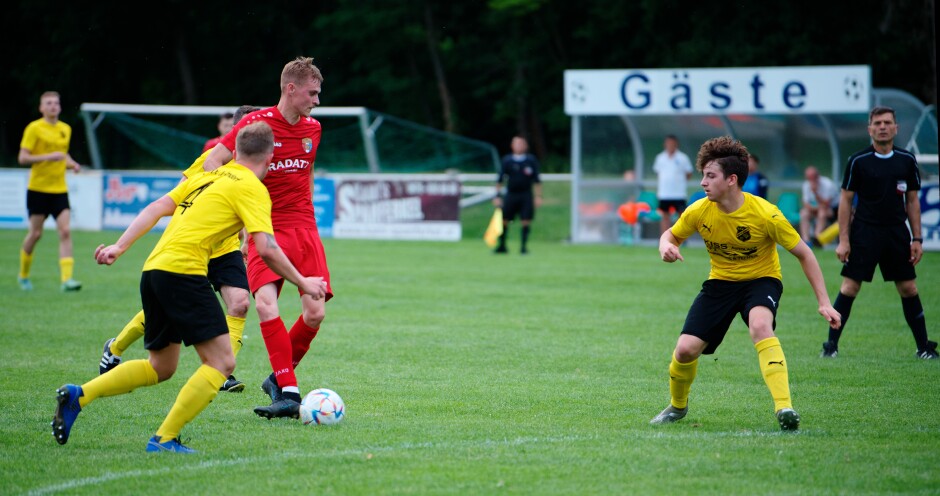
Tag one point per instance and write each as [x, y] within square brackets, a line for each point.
[41, 137]
[230, 244]
[210, 207]
[742, 245]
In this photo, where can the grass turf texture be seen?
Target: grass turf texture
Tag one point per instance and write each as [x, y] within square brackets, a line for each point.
[464, 372]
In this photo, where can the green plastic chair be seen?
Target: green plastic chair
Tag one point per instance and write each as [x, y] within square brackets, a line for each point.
[649, 198]
[789, 204]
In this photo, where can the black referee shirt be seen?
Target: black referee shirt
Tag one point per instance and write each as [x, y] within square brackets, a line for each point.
[880, 183]
[522, 173]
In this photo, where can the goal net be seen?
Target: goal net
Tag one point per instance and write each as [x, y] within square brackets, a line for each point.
[355, 139]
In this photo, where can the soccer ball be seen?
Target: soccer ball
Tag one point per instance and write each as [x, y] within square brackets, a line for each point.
[322, 407]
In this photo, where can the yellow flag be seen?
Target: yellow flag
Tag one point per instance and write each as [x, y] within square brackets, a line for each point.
[495, 229]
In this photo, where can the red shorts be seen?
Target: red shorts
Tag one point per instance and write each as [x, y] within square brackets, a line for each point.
[302, 247]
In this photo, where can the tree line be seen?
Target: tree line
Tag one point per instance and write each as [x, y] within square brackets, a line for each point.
[484, 69]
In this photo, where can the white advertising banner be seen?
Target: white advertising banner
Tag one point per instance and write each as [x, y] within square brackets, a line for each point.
[418, 209]
[741, 90]
[84, 199]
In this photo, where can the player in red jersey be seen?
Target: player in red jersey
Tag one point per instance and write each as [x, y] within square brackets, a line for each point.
[289, 177]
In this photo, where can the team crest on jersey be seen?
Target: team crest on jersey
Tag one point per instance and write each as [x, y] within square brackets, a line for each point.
[744, 233]
[307, 143]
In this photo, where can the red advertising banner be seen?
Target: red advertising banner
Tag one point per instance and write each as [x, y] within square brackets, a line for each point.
[405, 209]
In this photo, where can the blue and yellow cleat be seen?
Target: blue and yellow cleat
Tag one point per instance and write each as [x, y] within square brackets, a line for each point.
[71, 285]
[66, 411]
[173, 446]
[24, 283]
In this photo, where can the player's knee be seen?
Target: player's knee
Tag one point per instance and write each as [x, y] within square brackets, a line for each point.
[906, 289]
[850, 287]
[314, 318]
[237, 304]
[164, 370]
[225, 365]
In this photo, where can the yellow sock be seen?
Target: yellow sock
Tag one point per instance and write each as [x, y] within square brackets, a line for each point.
[194, 397]
[133, 331]
[774, 369]
[829, 234]
[236, 328]
[66, 265]
[125, 378]
[681, 376]
[26, 262]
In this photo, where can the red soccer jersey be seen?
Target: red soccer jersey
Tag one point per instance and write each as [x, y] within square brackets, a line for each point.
[211, 144]
[291, 170]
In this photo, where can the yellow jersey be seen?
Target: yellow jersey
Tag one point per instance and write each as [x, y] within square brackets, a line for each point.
[41, 137]
[742, 245]
[211, 207]
[230, 244]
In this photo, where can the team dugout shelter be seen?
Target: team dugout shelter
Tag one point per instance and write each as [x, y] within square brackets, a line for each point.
[790, 117]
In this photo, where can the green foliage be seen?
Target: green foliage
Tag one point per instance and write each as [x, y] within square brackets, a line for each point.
[502, 60]
[469, 373]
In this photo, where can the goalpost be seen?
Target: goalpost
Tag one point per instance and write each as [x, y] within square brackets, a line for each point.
[359, 139]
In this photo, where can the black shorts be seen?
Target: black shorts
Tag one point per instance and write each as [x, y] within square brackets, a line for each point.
[719, 301]
[520, 204]
[676, 205]
[179, 308]
[888, 247]
[46, 204]
[228, 270]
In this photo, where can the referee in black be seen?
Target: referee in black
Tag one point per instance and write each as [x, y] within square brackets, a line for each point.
[885, 180]
[522, 170]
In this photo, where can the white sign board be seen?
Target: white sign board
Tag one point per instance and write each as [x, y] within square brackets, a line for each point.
[84, 200]
[753, 90]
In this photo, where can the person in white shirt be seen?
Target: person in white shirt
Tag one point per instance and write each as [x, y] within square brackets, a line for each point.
[820, 199]
[673, 168]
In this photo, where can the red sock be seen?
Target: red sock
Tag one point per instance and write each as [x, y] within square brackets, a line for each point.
[277, 342]
[300, 337]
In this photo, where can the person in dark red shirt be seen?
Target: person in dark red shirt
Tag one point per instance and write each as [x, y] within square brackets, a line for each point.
[289, 177]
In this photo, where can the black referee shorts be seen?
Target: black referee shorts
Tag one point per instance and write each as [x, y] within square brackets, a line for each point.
[179, 308]
[521, 204]
[888, 247]
[719, 302]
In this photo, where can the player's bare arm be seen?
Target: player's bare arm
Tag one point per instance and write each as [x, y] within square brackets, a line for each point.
[669, 247]
[814, 275]
[219, 156]
[145, 220]
[272, 255]
[26, 157]
[845, 216]
[913, 217]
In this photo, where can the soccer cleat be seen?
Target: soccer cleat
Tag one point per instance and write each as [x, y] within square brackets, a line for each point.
[66, 411]
[788, 418]
[232, 385]
[929, 353]
[281, 408]
[24, 283]
[669, 415]
[71, 285]
[524, 251]
[830, 350]
[173, 446]
[271, 389]
[500, 249]
[108, 360]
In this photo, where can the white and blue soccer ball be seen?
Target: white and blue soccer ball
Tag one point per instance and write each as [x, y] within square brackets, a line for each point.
[322, 407]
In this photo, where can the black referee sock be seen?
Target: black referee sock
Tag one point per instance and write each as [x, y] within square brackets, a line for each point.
[843, 305]
[914, 314]
[525, 236]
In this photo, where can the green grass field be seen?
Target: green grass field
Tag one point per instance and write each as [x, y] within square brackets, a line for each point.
[469, 373]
